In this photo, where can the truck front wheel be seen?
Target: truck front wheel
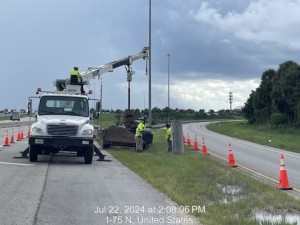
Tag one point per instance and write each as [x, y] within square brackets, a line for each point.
[33, 153]
[88, 154]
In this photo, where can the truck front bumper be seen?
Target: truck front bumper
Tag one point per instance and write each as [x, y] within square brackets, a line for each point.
[60, 141]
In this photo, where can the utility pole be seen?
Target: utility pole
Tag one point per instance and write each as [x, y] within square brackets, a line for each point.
[144, 101]
[168, 80]
[129, 79]
[230, 101]
[94, 98]
[150, 112]
[100, 103]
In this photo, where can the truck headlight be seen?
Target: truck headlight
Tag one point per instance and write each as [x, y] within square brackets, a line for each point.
[36, 130]
[88, 132]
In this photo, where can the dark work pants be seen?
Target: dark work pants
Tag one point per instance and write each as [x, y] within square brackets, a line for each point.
[169, 145]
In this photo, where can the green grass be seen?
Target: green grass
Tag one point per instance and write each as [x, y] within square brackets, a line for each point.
[7, 116]
[191, 179]
[284, 138]
[107, 119]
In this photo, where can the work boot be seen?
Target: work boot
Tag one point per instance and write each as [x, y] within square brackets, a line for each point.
[24, 154]
[101, 159]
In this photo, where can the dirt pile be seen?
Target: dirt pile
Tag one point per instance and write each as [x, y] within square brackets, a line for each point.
[118, 134]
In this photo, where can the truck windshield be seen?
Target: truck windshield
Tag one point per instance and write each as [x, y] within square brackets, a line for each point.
[63, 105]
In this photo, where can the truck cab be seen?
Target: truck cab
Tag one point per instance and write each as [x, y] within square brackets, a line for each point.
[62, 124]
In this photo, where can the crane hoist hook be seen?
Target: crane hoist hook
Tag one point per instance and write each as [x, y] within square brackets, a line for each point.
[130, 72]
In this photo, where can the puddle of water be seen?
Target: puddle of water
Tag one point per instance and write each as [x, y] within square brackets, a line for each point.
[231, 193]
[231, 190]
[271, 219]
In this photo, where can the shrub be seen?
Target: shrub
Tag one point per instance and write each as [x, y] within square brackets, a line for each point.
[278, 119]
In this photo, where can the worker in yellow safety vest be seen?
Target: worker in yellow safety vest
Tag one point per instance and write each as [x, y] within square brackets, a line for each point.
[76, 78]
[139, 136]
[169, 137]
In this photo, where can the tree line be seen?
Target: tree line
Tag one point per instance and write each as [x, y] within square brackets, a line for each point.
[277, 99]
[164, 115]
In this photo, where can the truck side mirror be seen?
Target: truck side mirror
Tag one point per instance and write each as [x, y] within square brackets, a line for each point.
[29, 106]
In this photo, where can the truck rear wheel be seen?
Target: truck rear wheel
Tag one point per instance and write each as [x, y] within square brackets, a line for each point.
[33, 153]
[88, 155]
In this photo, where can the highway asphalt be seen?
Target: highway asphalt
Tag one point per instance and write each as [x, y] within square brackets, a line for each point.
[260, 160]
[62, 190]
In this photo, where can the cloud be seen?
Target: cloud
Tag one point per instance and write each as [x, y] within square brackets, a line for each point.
[205, 93]
[262, 21]
[215, 40]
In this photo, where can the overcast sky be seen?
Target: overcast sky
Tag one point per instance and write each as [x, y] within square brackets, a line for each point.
[215, 47]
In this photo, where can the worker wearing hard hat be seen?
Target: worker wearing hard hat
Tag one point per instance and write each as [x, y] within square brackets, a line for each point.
[139, 136]
[76, 78]
[169, 137]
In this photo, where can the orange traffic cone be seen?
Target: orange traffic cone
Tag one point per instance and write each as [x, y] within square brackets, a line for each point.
[283, 177]
[22, 135]
[231, 161]
[196, 143]
[12, 137]
[6, 142]
[19, 136]
[28, 133]
[188, 140]
[204, 148]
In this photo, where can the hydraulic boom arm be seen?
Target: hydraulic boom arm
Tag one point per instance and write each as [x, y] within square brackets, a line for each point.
[93, 72]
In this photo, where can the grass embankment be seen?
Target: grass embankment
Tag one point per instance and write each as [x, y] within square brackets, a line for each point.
[106, 120]
[284, 138]
[7, 116]
[191, 179]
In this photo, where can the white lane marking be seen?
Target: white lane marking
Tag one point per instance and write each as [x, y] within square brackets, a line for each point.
[17, 164]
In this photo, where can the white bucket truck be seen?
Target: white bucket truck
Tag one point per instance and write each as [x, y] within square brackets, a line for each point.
[62, 124]
[63, 121]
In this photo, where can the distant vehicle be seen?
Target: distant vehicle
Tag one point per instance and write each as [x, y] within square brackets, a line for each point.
[15, 116]
[23, 111]
[6, 111]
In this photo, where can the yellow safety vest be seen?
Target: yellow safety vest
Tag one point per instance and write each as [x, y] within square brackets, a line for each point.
[139, 129]
[75, 72]
[169, 134]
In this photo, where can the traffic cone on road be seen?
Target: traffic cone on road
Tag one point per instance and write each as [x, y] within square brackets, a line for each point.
[231, 160]
[28, 133]
[196, 144]
[183, 139]
[283, 177]
[188, 140]
[204, 148]
[6, 142]
[22, 135]
[19, 136]
[12, 140]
